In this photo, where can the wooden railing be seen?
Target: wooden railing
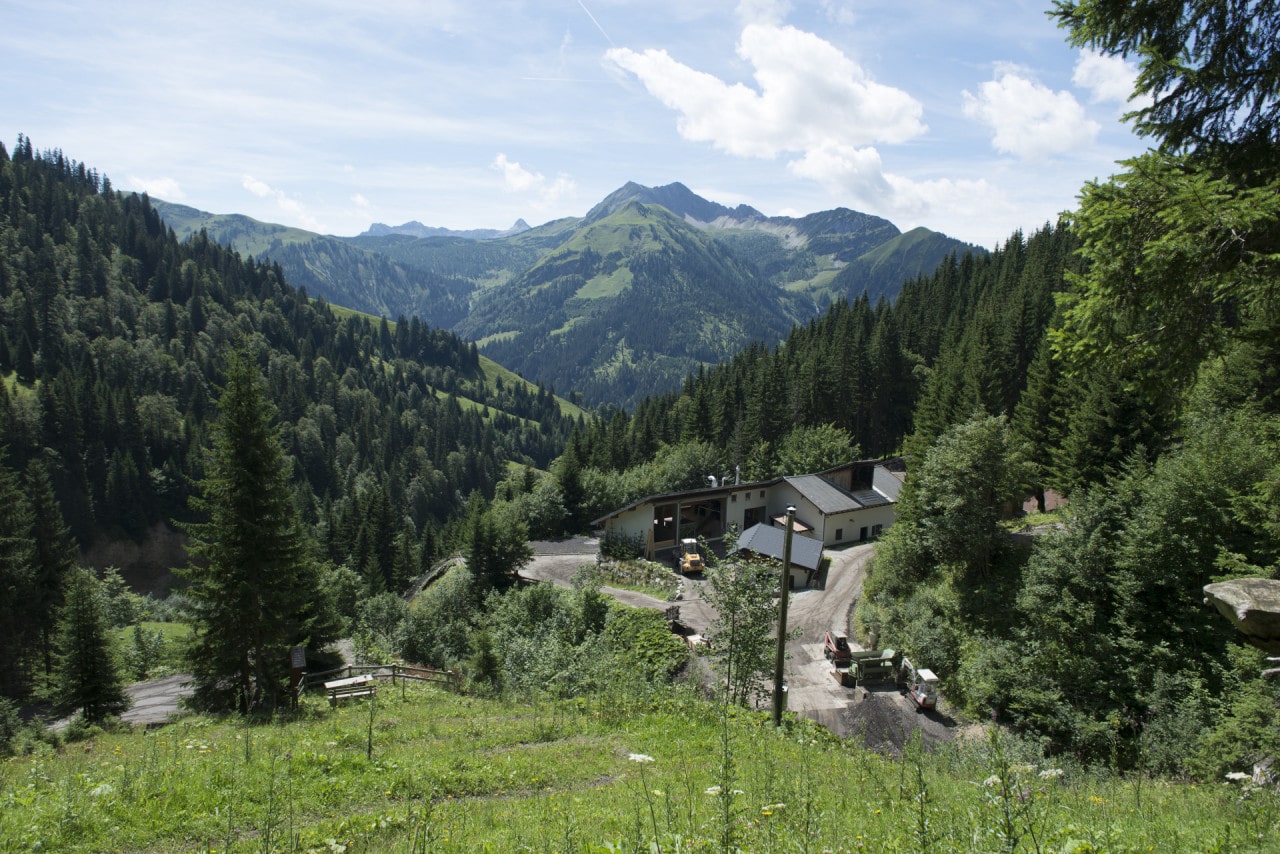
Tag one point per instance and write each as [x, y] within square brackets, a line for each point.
[386, 673]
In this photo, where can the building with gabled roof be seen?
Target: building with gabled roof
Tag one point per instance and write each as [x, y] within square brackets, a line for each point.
[770, 541]
[850, 503]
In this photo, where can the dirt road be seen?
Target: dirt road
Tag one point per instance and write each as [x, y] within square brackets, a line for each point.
[883, 717]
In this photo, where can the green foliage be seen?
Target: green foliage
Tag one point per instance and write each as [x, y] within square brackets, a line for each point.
[86, 675]
[1207, 71]
[618, 545]
[742, 636]
[644, 644]
[379, 628]
[440, 622]
[1181, 259]
[253, 586]
[806, 450]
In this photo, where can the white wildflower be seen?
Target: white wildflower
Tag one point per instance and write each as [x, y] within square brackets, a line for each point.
[1050, 773]
[993, 780]
[713, 791]
[639, 757]
[1238, 776]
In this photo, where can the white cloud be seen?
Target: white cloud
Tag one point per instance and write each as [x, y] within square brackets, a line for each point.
[518, 179]
[857, 173]
[360, 201]
[299, 212]
[811, 97]
[158, 188]
[1030, 120]
[763, 11]
[1108, 78]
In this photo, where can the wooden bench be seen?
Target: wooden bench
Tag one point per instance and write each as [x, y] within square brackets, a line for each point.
[353, 686]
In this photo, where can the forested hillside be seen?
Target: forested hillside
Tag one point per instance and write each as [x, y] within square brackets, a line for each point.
[666, 281]
[113, 344]
[861, 379]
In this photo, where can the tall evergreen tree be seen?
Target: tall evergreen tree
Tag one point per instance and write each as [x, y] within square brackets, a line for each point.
[16, 585]
[86, 676]
[253, 585]
[54, 554]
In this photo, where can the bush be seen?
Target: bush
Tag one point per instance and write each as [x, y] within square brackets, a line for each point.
[620, 546]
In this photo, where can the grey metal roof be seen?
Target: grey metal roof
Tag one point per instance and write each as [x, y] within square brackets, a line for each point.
[886, 483]
[870, 498]
[823, 494]
[767, 540]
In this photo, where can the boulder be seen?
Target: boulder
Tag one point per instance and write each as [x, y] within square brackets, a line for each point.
[1253, 607]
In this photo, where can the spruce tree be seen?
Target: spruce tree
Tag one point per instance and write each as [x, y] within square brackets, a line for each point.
[254, 588]
[17, 586]
[86, 676]
[54, 554]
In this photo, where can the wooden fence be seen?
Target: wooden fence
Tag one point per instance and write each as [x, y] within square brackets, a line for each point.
[404, 673]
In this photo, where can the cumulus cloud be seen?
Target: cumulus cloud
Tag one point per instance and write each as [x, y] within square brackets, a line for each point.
[858, 173]
[158, 188]
[296, 209]
[810, 103]
[1108, 78]
[810, 96]
[518, 179]
[1030, 120]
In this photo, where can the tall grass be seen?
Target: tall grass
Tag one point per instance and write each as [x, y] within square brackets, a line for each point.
[440, 772]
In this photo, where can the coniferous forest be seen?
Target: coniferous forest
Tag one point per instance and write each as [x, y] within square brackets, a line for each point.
[114, 346]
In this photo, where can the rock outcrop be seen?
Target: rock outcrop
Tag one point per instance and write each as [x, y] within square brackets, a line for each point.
[1253, 606]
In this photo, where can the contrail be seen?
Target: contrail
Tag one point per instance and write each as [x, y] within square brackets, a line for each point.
[597, 23]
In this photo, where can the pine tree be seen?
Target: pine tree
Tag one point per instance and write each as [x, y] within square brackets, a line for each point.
[86, 675]
[17, 585]
[54, 554]
[253, 586]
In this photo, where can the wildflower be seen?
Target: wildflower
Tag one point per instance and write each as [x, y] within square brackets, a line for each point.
[1238, 776]
[770, 809]
[657, 793]
[713, 791]
[640, 757]
[1051, 773]
[993, 780]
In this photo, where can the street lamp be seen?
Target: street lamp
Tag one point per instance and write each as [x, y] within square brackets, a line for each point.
[785, 590]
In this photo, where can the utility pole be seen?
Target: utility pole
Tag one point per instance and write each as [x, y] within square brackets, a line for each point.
[784, 593]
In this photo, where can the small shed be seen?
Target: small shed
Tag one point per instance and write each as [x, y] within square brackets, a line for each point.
[769, 541]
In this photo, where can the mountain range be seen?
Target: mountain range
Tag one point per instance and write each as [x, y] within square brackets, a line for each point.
[616, 305]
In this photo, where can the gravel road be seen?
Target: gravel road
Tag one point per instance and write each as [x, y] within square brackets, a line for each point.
[882, 717]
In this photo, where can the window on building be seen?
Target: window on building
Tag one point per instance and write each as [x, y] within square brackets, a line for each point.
[839, 534]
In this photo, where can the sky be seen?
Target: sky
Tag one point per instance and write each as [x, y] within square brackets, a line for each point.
[972, 118]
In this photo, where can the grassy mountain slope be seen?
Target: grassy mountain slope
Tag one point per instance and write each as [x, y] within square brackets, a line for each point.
[342, 272]
[630, 302]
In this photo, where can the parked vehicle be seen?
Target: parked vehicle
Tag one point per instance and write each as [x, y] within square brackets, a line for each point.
[836, 647]
[920, 684]
[873, 666]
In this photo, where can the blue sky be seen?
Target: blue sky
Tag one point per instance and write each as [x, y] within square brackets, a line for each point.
[971, 118]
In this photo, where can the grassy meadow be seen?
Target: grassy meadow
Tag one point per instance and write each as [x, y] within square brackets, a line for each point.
[421, 770]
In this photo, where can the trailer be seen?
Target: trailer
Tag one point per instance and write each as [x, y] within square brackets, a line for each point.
[875, 666]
